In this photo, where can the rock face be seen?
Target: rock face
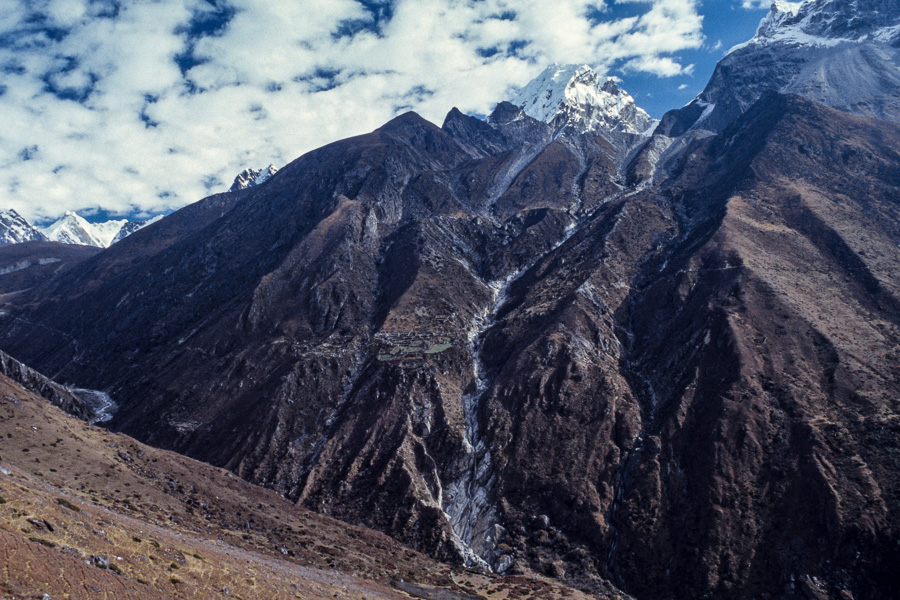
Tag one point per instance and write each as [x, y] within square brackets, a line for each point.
[58, 395]
[841, 53]
[252, 177]
[478, 339]
[15, 230]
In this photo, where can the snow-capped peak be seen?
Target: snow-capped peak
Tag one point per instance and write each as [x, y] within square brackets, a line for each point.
[73, 229]
[14, 229]
[576, 96]
[826, 22]
[252, 177]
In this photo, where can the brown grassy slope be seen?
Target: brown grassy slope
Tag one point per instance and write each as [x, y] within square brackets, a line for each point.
[79, 498]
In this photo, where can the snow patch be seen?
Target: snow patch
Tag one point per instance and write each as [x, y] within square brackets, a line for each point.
[584, 99]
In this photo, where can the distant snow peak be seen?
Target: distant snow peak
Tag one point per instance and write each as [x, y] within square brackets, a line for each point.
[75, 229]
[252, 177]
[14, 229]
[577, 96]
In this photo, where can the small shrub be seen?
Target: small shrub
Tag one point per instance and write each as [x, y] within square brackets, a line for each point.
[46, 543]
[65, 503]
[175, 580]
[136, 539]
[174, 566]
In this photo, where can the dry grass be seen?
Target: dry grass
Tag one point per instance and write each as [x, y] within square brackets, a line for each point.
[86, 510]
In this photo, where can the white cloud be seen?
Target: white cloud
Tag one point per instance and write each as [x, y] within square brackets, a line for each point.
[98, 87]
[756, 4]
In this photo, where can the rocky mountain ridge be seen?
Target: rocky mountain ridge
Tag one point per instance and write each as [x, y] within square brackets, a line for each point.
[843, 54]
[669, 369]
[436, 316]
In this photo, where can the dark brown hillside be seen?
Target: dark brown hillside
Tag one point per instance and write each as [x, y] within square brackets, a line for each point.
[29, 264]
[765, 364]
[478, 340]
[271, 337]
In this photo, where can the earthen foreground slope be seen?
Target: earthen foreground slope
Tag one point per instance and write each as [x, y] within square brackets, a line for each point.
[85, 513]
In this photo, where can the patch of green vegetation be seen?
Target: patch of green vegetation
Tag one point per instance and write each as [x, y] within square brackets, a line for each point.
[197, 556]
[65, 503]
[385, 357]
[141, 581]
[47, 543]
[438, 348]
[155, 543]
[2, 500]
[136, 539]
[174, 566]
[175, 580]
[115, 568]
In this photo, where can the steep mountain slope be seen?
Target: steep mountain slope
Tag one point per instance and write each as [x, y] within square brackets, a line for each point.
[763, 349]
[477, 339]
[841, 53]
[23, 264]
[326, 290]
[15, 230]
[134, 522]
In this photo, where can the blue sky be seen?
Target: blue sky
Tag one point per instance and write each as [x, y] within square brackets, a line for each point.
[725, 24]
[137, 107]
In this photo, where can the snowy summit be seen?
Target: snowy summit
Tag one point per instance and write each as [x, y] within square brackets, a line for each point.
[576, 96]
[827, 23]
[252, 177]
[15, 230]
[75, 229]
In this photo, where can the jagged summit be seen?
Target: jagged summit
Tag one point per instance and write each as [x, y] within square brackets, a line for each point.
[843, 54]
[252, 177]
[75, 229]
[577, 96]
[827, 23]
[14, 229]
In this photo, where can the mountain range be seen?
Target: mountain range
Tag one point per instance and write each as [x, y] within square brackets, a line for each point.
[72, 228]
[557, 342]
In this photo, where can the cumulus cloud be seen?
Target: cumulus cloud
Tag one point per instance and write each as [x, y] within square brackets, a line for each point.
[145, 106]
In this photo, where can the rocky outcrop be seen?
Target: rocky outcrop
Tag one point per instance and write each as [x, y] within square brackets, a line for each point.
[58, 395]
